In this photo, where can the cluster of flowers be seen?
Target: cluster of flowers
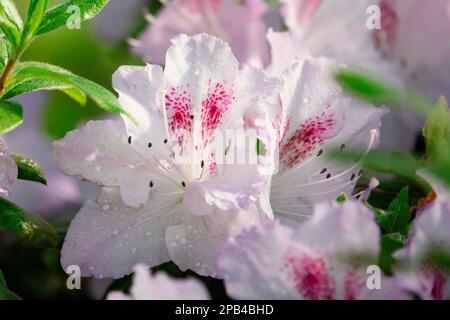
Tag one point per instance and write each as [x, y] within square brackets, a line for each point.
[169, 194]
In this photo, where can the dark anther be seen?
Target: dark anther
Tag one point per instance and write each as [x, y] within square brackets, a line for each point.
[202, 163]
[151, 184]
[183, 184]
[329, 176]
[165, 140]
[149, 144]
[320, 153]
[129, 139]
[192, 117]
[323, 171]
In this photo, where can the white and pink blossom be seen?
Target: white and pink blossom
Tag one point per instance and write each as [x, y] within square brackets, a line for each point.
[167, 192]
[316, 118]
[240, 24]
[160, 286]
[327, 257]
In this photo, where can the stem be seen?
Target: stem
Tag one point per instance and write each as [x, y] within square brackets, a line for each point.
[9, 67]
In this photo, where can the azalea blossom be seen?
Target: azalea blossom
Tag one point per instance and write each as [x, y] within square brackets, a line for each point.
[159, 286]
[338, 30]
[169, 192]
[316, 118]
[328, 257]
[334, 29]
[418, 263]
[240, 24]
[8, 169]
[416, 34]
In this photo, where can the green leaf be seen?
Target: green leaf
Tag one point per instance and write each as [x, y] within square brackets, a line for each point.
[29, 169]
[396, 217]
[9, 10]
[36, 12]
[10, 30]
[41, 71]
[3, 287]
[260, 148]
[11, 116]
[59, 15]
[6, 294]
[26, 225]
[4, 53]
[15, 88]
[375, 90]
[389, 244]
[437, 128]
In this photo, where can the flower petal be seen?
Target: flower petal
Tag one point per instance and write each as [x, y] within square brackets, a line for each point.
[100, 152]
[196, 244]
[160, 286]
[222, 18]
[106, 238]
[8, 169]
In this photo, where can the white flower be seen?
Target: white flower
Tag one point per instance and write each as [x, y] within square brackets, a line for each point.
[428, 242]
[325, 258]
[8, 169]
[240, 24]
[169, 194]
[160, 286]
[317, 117]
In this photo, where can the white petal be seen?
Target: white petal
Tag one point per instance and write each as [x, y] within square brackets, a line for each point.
[138, 89]
[252, 263]
[318, 117]
[196, 244]
[100, 152]
[160, 286]
[106, 239]
[8, 169]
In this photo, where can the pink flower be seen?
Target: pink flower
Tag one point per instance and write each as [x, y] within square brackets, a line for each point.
[418, 263]
[317, 117]
[159, 286]
[241, 25]
[170, 191]
[327, 257]
[417, 36]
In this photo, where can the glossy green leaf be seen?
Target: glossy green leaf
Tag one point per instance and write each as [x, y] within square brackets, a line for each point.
[4, 53]
[15, 88]
[26, 225]
[397, 216]
[9, 10]
[389, 244]
[10, 30]
[41, 71]
[11, 116]
[36, 12]
[59, 16]
[29, 169]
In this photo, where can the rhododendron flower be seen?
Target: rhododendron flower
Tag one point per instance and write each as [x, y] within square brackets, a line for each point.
[8, 169]
[241, 25]
[417, 35]
[170, 192]
[420, 262]
[327, 257]
[333, 29]
[317, 117]
[160, 286]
